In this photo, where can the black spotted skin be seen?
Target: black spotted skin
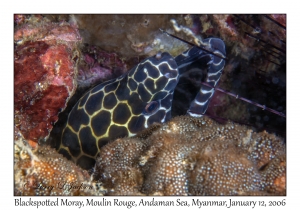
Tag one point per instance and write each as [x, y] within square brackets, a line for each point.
[132, 102]
[120, 107]
[215, 64]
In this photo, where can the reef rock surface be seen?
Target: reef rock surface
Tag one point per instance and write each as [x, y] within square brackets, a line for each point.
[45, 61]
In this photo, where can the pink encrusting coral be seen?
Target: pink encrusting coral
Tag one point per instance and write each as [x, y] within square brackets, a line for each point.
[45, 61]
[98, 65]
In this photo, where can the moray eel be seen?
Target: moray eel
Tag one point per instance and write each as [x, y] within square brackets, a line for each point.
[134, 101]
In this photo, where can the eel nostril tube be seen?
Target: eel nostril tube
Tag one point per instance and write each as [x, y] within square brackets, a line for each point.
[158, 55]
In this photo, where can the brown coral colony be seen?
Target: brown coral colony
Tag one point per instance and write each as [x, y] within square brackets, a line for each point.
[189, 156]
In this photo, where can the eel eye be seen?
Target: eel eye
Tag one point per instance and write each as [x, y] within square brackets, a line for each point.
[151, 107]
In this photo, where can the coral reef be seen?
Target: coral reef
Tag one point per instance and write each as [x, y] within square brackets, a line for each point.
[189, 156]
[185, 156]
[43, 171]
[45, 61]
[255, 69]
